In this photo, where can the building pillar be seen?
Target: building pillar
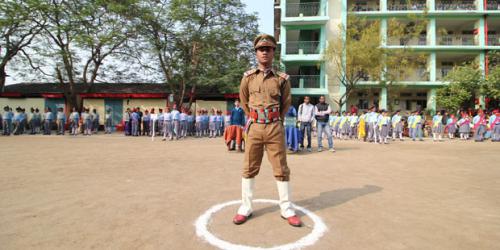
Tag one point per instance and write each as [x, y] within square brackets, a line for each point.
[383, 5]
[430, 5]
[383, 31]
[479, 26]
[431, 100]
[283, 41]
[431, 32]
[482, 65]
[480, 5]
[342, 89]
[382, 104]
[432, 67]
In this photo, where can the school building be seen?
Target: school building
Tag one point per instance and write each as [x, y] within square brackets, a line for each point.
[304, 27]
[116, 97]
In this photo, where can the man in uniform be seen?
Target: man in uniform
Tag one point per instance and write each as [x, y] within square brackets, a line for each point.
[265, 98]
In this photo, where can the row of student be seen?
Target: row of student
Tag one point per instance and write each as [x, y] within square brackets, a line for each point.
[21, 122]
[174, 124]
[379, 127]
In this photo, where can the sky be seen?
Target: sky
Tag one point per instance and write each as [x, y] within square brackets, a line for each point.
[263, 8]
[265, 12]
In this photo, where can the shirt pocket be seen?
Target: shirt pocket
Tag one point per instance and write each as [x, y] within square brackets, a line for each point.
[254, 90]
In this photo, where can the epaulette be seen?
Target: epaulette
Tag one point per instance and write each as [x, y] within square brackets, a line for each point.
[283, 75]
[250, 72]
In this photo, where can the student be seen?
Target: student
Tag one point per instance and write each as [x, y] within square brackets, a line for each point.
[95, 121]
[372, 125]
[183, 123]
[384, 125]
[291, 130]
[479, 122]
[146, 120]
[353, 130]
[108, 127]
[87, 122]
[343, 126]
[397, 126]
[362, 126]
[464, 126]
[336, 125]
[219, 122]
[494, 124]
[211, 124]
[305, 117]
[437, 127]
[159, 122]
[139, 119]
[17, 121]
[74, 119]
[167, 124]
[126, 121]
[47, 121]
[417, 126]
[176, 121]
[190, 122]
[411, 119]
[61, 121]
[135, 122]
[198, 123]
[331, 123]
[451, 125]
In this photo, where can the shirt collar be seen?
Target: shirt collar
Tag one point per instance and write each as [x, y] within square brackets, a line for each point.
[266, 71]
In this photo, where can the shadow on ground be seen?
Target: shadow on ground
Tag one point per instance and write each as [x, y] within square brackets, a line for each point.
[327, 199]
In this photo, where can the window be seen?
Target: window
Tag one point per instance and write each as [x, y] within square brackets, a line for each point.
[422, 94]
[363, 104]
[421, 104]
[406, 94]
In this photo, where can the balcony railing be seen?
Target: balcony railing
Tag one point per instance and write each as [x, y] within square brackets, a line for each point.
[493, 40]
[421, 40]
[443, 72]
[302, 47]
[406, 7]
[305, 81]
[304, 9]
[493, 6]
[451, 40]
[449, 5]
[358, 7]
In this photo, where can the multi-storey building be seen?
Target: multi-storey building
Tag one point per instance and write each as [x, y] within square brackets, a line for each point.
[458, 31]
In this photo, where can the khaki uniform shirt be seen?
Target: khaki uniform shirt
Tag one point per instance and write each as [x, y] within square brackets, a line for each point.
[261, 90]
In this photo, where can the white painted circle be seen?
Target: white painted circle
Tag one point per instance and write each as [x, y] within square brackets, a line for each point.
[201, 224]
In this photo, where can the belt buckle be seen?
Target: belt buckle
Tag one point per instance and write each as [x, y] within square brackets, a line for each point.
[261, 116]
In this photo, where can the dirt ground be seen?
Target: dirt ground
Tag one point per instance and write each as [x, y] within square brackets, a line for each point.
[116, 192]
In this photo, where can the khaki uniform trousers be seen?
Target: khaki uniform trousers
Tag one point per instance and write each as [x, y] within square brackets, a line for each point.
[270, 137]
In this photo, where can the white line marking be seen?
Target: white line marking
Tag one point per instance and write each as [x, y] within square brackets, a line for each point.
[201, 223]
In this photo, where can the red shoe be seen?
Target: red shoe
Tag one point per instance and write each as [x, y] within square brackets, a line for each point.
[240, 219]
[293, 221]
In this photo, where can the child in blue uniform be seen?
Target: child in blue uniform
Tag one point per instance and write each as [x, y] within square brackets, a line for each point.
[47, 121]
[437, 127]
[383, 124]
[167, 124]
[74, 119]
[397, 126]
[61, 121]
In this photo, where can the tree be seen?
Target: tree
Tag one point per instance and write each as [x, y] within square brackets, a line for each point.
[464, 83]
[491, 86]
[79, 36]
[19, 25]
[357, 57]
[362, 57]
[403, 63]
[197, 43]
